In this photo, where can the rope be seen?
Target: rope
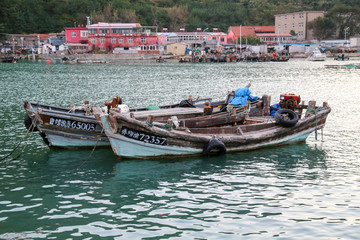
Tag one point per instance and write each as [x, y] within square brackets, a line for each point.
[92, 151]
[32, 127]
[314, 110]
[22, 151]
[82, 164]
[164, 126]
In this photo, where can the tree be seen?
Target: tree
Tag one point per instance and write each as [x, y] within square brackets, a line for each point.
[322, 27]
[292, 32]
[177, 16]
[345, 17]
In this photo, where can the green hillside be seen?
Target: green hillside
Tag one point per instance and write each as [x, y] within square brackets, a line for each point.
[44, 16]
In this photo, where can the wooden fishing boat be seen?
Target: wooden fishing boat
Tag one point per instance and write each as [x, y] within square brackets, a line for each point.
[8, 59]
[341, 58]
[65, 127]
[77, 128]
[131, 136]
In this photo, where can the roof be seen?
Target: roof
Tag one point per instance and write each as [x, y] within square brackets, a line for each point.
[273, 35]
[252, 30]
[299, 13]
[114, 25]
[43, 36]
[76, 28]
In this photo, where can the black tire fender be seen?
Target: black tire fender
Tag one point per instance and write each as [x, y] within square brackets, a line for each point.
[214, 144]
[292, 116]
[28, 123]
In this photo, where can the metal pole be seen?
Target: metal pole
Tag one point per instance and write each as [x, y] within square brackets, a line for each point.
[240, 38]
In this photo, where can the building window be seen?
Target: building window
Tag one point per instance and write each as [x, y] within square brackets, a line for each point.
[93, 40]
[285, 25]
[143, 40]
[222, 39]
[130, 40]
[73, 33]
[301, 15]
[285, 17]
[103, 30]
[93, 31]
[102, 49]
[301, 24]
[102, 40]
[83, 33]
[293, 25]
[113, 40]
[301, 33]
[293, 16]
[121, 40]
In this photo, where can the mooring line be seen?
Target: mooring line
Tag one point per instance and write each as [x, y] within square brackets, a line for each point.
[32, 127]
[27, 142]
[92, 151]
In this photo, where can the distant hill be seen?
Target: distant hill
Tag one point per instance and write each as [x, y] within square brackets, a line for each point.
[44, 16]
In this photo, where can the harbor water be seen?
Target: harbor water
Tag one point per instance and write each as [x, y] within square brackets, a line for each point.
[304, 191]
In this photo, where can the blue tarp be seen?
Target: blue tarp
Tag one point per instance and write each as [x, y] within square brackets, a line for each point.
[241, 96]
[273, 109]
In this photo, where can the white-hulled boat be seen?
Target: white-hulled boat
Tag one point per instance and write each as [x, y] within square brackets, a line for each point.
[317, 55]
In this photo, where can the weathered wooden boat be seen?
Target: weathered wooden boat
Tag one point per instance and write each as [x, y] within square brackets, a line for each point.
[9, 59]
[77, 128]
[134, 137]
[347, 66]
[341, 58]
[65, 127]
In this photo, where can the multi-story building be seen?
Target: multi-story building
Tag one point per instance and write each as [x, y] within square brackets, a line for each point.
[77, 39]
[122, 38]
[198, 38]
[298, 22]
[234, 32]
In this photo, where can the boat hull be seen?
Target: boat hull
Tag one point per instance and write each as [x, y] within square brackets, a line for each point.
[61, 128]
[130, 138]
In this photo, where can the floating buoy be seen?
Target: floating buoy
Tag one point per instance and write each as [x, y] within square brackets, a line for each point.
[48, 61]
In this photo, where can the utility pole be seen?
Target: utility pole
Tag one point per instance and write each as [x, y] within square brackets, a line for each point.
[240, 38]
[345, 29]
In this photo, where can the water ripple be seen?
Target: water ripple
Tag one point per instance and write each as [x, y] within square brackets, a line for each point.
[303, 191]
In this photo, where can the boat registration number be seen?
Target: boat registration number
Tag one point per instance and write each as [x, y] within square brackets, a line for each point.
[72, 124]
[144, 137]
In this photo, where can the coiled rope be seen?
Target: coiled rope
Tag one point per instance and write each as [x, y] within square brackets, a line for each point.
[164, 126]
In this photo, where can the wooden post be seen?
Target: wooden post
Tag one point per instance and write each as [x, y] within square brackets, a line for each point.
[300, 110]
[207, 108]
[311, 105]
[266, 107]
[150, 119]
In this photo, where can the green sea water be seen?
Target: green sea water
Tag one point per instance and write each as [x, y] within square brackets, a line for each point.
[304, 191]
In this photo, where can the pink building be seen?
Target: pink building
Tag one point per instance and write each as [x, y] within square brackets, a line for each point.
[76, 39]
[122, 38]
[76, 35]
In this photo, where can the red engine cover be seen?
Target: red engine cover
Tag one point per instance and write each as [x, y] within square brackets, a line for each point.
[285, 97]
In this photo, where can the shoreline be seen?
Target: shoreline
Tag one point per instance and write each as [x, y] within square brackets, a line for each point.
[146, 57]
